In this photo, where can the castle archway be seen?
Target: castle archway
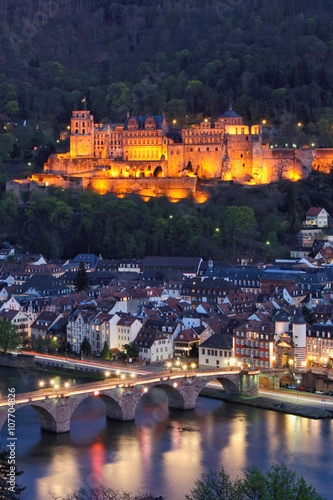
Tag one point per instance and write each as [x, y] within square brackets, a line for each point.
[158, 172]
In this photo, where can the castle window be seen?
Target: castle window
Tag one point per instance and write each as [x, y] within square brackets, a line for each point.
[241, 156]
[247, 137]
[198, 149]
[207, 149]
[216, 149]
[191, 149]
[76, 131]
[83, 131]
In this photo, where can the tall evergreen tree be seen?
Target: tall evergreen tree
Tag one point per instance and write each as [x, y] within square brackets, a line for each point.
[85, 347]
[82, 280]
[105, 354]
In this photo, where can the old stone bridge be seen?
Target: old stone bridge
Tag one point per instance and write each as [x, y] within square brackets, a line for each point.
[56, 407]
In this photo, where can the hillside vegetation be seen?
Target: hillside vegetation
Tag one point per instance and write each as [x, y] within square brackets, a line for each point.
[259, 221]
[272, 59]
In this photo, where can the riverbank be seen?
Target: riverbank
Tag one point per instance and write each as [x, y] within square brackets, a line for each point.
[299, 409]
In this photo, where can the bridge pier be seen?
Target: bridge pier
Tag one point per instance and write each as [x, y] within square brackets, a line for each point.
[56, 416]
[124, 411]
[249, 383]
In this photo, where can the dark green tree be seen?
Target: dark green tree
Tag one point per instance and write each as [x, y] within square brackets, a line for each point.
[130, 350]
[194, 351]
[278, 483]
[82, 280]
[9, 337]
[308, 315]
[215, 486]
[239, 222]
[85, 347]
[9, 490]
[105, 354]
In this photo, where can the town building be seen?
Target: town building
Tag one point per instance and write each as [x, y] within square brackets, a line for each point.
[216, 352]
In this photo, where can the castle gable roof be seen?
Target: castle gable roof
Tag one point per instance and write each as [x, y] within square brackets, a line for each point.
[142, 121]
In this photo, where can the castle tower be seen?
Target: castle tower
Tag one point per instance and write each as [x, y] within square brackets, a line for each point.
[299, 338]
[82, 134]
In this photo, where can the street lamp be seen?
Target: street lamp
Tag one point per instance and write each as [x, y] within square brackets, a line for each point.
[297, 386]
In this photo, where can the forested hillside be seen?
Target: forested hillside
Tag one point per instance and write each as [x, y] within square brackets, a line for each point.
[261, 221]
[272, 59]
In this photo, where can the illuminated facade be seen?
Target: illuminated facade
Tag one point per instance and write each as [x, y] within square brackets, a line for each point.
[224, 149]
[122, 158]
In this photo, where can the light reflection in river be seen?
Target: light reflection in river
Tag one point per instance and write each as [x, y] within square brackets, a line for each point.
[166, 452]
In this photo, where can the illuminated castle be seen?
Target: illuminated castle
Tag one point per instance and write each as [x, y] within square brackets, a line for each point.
[145, 156]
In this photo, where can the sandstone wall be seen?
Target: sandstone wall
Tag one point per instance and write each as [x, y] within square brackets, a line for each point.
[323, 160]
[174, 188]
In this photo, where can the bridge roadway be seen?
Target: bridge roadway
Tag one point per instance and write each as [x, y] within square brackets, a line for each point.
[56, 406]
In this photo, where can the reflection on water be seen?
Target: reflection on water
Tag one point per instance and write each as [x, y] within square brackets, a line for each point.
[166, 451]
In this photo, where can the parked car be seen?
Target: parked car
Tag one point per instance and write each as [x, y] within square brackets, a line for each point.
[301, 388]
[310, 389]
[320, 392]
[292, 386]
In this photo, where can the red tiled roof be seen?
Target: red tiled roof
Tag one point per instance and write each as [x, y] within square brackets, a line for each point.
[314, 211]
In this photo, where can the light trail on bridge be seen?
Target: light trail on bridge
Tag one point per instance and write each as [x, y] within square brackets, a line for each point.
[76, 363]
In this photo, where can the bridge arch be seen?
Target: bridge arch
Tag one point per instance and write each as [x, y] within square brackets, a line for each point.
[228, 385]
[112, 407]
[48, 421]
[272, 380]
[173, 394]
[48, 418]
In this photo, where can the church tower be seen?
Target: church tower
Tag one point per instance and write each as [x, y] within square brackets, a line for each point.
[82, 134]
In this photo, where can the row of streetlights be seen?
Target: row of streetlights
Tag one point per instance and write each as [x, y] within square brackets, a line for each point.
[53, 384]
[119, 374]
[178, 364]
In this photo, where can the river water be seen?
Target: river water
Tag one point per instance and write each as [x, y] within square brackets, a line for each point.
[162, 451]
